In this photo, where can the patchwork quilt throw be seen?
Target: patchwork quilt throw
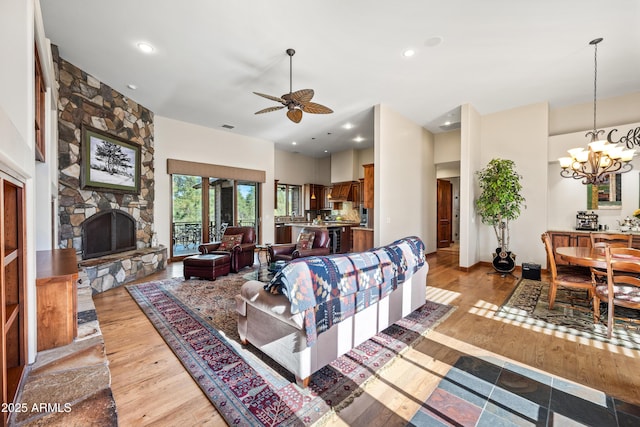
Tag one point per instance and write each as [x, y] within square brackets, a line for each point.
[329, 289]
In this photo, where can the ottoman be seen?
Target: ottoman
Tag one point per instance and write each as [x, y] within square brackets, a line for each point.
[207, 266]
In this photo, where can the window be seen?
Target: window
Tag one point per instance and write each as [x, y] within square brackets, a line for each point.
[202, 212]
[288, 200]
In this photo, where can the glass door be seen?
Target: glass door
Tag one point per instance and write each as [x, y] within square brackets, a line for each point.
[247, 204]
[187, 214]
[202, 213]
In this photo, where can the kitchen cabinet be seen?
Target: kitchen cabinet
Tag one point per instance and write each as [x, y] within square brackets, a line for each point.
[283, 233]
[367, 199]
[345, 239]
[362, 239]
[355, 194]
[57, 304]
[326, 198]
[315, 194]
[13, 337]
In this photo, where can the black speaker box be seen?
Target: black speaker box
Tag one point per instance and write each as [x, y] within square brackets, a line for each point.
[530, 271]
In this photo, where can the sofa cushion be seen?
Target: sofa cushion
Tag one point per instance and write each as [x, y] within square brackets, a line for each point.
[229, 241]
[305, 241]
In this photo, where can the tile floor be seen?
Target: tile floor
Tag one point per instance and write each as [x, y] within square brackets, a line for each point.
[478, 392]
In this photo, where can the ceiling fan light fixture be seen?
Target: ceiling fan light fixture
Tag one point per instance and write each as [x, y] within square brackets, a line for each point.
[295, 102]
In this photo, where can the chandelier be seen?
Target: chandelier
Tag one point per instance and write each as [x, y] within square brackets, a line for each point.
[602, 158]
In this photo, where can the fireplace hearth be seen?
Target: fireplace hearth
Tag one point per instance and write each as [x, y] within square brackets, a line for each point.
[108, 232]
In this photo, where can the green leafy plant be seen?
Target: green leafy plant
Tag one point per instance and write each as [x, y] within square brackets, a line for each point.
[500, 200]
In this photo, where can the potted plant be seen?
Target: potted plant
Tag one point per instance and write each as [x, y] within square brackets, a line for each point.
[500, 201]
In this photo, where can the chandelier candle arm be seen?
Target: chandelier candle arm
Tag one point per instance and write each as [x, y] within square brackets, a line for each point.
[602, 158]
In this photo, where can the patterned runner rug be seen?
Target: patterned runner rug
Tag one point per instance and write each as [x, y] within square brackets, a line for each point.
[571, 314]
[197, 319]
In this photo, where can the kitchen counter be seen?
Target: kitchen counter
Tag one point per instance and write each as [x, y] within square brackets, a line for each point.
[363, 228]
[326, 224]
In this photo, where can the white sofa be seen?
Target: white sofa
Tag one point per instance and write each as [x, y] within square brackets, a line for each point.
[265, 320]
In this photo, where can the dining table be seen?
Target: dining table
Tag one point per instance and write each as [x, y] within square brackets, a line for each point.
[585, 256]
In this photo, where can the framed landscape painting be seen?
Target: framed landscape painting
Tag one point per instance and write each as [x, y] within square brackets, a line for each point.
[109, 163]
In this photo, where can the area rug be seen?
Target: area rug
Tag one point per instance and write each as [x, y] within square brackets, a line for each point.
[197, 319]
[571, 314]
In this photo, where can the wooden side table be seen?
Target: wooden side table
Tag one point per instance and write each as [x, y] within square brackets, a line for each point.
[57, 307]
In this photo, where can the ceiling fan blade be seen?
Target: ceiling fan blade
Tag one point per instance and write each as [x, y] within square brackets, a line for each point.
[312, 107]
[273, 98]
[295, 115]
[270, 109]
[302, 96]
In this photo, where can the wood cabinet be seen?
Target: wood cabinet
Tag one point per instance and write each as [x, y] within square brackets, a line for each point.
[326, 198]
[367, 197]
[283, 233]
[345, 239]
[315, 194]
[13, 325]
[355, 194]
[56, 289]
[572, 238]
[362, 239]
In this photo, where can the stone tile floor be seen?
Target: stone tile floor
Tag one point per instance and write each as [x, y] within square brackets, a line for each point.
[478, 392]
[70, 385]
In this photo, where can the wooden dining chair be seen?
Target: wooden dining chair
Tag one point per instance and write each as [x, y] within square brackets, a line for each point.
[568, 276]
[601, 240]
[623, 284]
[615, 240]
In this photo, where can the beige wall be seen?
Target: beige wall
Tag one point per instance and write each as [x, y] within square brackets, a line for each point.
[294, 168]
[611, 112]
[184, 141]
[469, 163]
[405, 180]
[447, 147]
[519, 134]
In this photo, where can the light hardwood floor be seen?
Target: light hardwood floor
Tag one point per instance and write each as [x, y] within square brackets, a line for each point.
[150, 385]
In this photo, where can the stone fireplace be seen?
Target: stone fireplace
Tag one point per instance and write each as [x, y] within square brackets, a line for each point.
[110, 231]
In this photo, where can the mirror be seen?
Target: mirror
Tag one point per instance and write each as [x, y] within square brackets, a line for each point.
[607, 195]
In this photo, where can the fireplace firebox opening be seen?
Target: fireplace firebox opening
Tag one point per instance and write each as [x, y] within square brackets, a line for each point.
[108, 232]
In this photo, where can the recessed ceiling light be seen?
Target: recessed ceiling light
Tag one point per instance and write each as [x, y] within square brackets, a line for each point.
[145, 47]
[348, 126]
[294, 143]
[326, 151]
[408, 53]
[433, 41]
[358, 139]
[447, 123]
[132, 86]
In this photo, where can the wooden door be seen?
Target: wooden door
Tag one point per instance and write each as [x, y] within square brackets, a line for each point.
[445, 208]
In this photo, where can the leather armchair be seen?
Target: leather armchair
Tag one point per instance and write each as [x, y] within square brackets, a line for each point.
[288, 251]
[242, 255]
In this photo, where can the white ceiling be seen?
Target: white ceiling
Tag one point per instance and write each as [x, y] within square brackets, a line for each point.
[211, 55]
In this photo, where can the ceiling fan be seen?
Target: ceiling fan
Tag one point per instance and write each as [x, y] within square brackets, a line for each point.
[295, 102]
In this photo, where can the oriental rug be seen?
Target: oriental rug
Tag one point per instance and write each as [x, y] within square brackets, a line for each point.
[197, 319]
[571, 314]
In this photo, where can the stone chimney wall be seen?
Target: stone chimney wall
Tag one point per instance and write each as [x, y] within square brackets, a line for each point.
[84, 100]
